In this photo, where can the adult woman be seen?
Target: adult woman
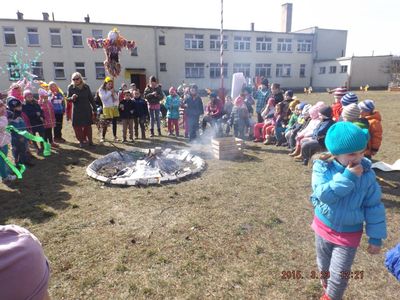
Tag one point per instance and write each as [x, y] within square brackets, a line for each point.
[80, 95]
[109, 100]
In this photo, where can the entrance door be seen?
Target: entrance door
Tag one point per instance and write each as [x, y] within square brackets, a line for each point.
[139, 80]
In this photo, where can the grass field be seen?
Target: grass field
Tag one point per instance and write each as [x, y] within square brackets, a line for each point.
[229, 233]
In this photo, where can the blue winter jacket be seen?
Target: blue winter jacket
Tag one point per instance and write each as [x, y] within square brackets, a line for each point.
[172, 104]
[344, 201]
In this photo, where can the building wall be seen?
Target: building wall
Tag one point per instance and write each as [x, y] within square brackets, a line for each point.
[151, 54]
[371, 70]
[330, 44]
[327, 79]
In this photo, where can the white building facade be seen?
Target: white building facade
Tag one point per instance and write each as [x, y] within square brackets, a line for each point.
[173, 54]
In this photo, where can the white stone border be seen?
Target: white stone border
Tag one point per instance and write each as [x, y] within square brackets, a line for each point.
[197, 161]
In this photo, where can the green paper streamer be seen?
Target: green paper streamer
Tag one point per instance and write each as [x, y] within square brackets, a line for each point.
[13, 168]
[29, 136]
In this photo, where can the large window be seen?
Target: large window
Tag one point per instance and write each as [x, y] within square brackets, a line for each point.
[9, 36]
[263, 70]
[283, 70]
[241, 43]
[33, 36]
[215, 70]
[80, 67]
[194, 70]
[302, 70]
[59, 72]
[304, 45]
[284, 45]
[97, 33]
[100, 70]
[55, 37]
[332, 69]
[215, 42]
[194, 41]
[37, 69]
[77, 40]
[264, 44]
[13, 71]
[243, 68]
[343, 69]
[322, 70]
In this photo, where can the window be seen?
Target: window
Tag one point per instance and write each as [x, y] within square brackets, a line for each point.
[77, 40]
[80, 67]
[215, 70]
[241, 43]
[332, 69]
[304, 46]
[283, 70]
[33, 36]
[263, 70]
[55, 37]
[163, 67]
[284, 45]
[97, 34]
[322, 70]
[215, 42]
[244, 68]
[264, 44]
[194, 70]
[302, 70]
[37, 69]
[161, 40]
[343, 69]
[59, 72]
[13, 71]
[194, 41]
[9, 36]
[100, 71]
[134, 52]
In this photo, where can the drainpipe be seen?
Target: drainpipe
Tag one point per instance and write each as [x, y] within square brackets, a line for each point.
[156, 51]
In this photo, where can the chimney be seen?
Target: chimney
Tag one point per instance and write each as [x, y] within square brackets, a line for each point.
[87, 18]
[52, 16]
[286, 25]
[20, 15]
[45, 16]
[252, 26]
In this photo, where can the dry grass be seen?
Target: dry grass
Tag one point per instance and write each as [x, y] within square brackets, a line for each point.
[229, 233]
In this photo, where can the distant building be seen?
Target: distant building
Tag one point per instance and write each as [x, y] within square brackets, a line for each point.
[179, 54]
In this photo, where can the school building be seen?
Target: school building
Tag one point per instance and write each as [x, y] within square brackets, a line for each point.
[55, 49]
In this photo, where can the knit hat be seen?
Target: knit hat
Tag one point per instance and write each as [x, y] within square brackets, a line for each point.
[351, 112]
[172, 89]
[301, 105]
[349, 98]
[315, 109]
[265, 81]
[326, 111]
[42, 92]
[213, 95]
[306, 110]
[345, 137]
[12, 103]
[27, 92]
[340, 92]
[24, 270]
[289, 93]
[367, 105]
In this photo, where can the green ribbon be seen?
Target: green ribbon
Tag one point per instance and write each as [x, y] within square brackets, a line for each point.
[29, 136]
[13, 168]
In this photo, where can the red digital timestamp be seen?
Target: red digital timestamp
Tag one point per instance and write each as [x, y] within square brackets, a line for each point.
[297, 275]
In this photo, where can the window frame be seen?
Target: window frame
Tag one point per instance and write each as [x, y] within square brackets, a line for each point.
[58, 68]
[199, 67]
[263, 66]
[304, 46]
[262, 41]
[97, 66]
[322, 70]
[332, 69]
[75, 34]
[215, 42]
[163, 67]
[7, 31]
[193, 39]
[243, 68]
[344, 68]
[215, 70]
[80, 69]
[241, 43]
[161, 40]
[283, 70]
[32, 34]
[54, 34]
[95, 34]
[284, 45]
[38, 65]
[302, 73]
[15, 70]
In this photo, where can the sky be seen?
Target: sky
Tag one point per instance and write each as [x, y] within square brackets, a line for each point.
[372, 25]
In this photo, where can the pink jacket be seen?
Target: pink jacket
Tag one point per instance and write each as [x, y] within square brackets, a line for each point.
[48, 112]
[5, 137]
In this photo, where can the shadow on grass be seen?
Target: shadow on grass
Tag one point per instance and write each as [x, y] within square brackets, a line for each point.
[389, 178]
[43, 189]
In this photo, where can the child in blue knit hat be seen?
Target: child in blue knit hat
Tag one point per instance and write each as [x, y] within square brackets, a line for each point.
[345, 196]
